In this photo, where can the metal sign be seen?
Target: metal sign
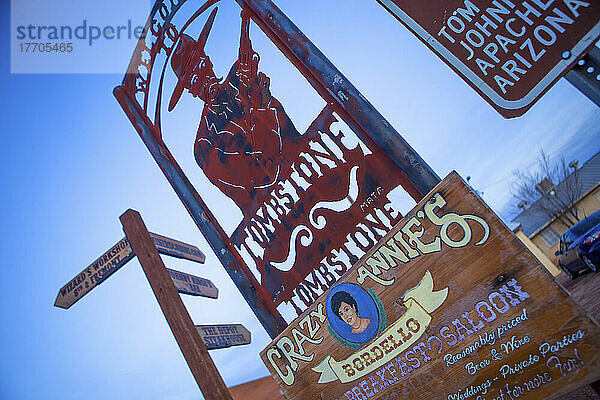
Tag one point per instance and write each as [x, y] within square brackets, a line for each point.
[311, 202]
[510, 52]
[222, 336]
[448, 305]
[193, 285]
[117, 256]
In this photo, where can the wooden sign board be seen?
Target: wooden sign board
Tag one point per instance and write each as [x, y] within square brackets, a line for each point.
[222, 336]
[188, 339]
[510, 52]
[175, 248]
[448, 305]
[193, 285]
[103, 267]
[117, 256]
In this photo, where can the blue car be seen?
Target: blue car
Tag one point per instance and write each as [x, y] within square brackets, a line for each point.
[580, 246]
[589, 249]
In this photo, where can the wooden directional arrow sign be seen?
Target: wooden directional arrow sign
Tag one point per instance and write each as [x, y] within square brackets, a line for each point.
[175, 248]
[96, 273]
[115, 258]
[222, 336]
[193, 285]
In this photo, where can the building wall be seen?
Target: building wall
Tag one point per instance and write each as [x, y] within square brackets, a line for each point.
[550, 266]
[587, 205]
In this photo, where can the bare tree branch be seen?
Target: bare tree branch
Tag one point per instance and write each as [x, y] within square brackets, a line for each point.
[551, 189]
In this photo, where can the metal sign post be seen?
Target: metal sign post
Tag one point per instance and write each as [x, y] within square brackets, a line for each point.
[188, 338]
[585, 75]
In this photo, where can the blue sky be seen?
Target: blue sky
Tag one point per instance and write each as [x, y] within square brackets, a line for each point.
[72, 164]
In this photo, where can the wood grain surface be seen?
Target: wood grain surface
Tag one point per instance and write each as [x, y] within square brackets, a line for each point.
[188, 338]
[469, 314]
[224, 335]
[193, 285]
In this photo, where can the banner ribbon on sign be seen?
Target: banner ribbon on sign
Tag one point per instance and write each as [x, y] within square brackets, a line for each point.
[419, 301]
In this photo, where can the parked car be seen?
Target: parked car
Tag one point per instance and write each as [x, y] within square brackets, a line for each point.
[580, 246]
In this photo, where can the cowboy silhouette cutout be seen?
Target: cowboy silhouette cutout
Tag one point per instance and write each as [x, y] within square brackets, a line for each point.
[239, 143]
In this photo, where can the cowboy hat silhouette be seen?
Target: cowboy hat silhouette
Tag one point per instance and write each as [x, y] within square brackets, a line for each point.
[187, 57]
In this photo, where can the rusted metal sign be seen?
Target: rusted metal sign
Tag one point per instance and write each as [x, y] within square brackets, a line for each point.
[117, 256]
[222, 336]
[510, 52]
[448, 305]
[193, 285]
[311, 202]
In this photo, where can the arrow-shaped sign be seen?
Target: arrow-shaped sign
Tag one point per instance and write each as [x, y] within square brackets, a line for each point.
[96, 273]
[115, 258]
[175, 248]
[222, 336]
[193, 285]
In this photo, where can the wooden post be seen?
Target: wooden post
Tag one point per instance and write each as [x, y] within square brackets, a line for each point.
[196, 355]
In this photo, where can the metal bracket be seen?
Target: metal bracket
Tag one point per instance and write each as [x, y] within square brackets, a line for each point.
[585, 75]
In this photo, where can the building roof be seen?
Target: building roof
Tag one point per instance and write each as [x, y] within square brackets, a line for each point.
[259, 389]
[532, 220]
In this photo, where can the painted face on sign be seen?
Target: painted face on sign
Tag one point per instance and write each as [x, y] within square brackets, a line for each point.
[347, 311]
[348, 314]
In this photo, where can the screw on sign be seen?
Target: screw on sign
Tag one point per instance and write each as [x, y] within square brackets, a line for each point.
[510, 51]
